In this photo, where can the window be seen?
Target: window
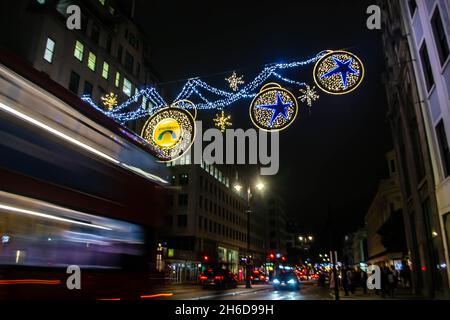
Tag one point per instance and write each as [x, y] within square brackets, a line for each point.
[91, 61]
[426, 67]
[200, 222]
[117, 80]
[111, 10]
[49, 50]
[105, 70]
[184, 179]
[78, 52]
[129, 62]
[126, 87]
[88, 88]
[200, 202]
[182, 220]
[102, 2]
[443, 147]
[412, 7]
[74, 82]
[440, 36]
[95, 33]
[183, 199]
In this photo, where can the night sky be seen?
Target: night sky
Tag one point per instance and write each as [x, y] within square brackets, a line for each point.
[333, 154]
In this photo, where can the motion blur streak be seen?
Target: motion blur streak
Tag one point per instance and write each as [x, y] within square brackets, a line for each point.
[157, 295]
[56, 132]
[47, 216]
[80, 144]
[109, 299]
[30, 281]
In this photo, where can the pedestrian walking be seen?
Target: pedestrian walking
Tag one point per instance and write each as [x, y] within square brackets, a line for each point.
[364, 281]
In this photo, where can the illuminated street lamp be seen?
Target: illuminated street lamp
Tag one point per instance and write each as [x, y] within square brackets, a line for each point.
[310, 238]
[238, 187]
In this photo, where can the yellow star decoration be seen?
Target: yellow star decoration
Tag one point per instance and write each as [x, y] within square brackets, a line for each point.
[222, 121]
[110, 100]
[234, 81]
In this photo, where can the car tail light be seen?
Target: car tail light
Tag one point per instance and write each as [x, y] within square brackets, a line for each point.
[203, 278]
[218, 277]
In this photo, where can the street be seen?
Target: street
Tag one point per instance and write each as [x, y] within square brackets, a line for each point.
[308, 291]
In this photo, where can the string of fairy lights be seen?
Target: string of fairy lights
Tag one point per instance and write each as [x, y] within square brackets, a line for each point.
[148, 100]
[170, 128]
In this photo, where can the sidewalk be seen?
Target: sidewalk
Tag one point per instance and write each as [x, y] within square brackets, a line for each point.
[400, 294]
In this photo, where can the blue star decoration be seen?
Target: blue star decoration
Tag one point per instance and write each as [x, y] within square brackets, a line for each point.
[343, 68]
[279, 108]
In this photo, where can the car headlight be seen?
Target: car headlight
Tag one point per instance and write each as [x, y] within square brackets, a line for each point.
[292, 281]
[276, 281]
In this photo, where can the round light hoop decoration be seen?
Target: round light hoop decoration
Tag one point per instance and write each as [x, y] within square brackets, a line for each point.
[338, 72]
[170, 131]
[274, 108]
[186, 105]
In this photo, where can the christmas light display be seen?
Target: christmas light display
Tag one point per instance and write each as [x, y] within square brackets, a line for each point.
[222, 121]
[274, 108]
[308, 95]
[170, 131]
[335, 72]
[338, 72]
[195, 87]
[234, 81]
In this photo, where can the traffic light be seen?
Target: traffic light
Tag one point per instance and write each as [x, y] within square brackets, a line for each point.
[271, 256]
[283, 258]
[205, 258]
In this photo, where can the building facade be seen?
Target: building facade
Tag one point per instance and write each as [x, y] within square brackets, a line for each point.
[276, 228]
[384, 221]
[108, 54]
[415, 40]
[207, 222]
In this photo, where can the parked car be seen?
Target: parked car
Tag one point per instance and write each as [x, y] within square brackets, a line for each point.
[286, 280]
[218, 278]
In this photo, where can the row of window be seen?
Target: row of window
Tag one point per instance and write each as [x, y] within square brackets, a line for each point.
[222, 195]
[217, 228]
[213, 208]
[440, 39]
[78, 53]
[127, 87]
[210, 168]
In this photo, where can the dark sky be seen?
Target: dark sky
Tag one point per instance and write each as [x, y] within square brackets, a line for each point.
[333, 154]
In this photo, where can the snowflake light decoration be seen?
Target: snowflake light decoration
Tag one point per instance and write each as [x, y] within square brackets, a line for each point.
[234, 81]
[110, 100]
[309, 95]
[222, 121]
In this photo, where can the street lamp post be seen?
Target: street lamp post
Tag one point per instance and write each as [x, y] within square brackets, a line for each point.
[259, 187]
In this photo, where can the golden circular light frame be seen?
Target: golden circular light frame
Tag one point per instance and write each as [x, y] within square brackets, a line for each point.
[269, 91]
[324, 65]
[179, 124]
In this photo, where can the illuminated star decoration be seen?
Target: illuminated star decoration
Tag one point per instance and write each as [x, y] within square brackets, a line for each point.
[110, 101]
[309, 95]
[234, 81]
[279, 108]
[343, 68]
[222, 121]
